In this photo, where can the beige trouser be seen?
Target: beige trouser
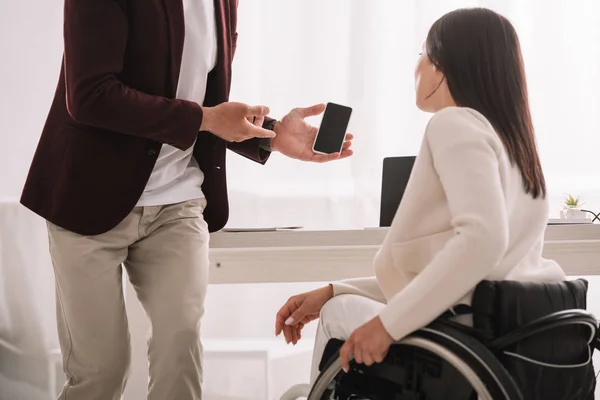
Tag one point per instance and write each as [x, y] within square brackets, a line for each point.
[165, 252]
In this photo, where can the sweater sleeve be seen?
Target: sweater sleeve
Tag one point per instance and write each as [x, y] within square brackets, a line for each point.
[465, 152]
[366, 287]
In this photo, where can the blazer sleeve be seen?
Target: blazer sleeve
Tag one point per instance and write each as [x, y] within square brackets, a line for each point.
[95, 41]
[465, 154]
[251, 148]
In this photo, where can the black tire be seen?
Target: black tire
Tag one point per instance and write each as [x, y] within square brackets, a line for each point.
[480, 359]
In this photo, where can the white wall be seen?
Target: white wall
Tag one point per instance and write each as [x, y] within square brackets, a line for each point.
[30, 54]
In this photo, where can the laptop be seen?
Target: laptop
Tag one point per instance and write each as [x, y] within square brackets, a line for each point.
[396, 172]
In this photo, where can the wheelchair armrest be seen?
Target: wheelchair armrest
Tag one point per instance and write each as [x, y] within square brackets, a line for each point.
[551, 321]
[332, 351]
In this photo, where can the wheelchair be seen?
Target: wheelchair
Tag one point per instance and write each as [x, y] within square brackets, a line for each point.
[529, 341]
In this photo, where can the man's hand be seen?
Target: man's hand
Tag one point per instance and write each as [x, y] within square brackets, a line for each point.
[368, 344]
[295, 137]
[233, 121]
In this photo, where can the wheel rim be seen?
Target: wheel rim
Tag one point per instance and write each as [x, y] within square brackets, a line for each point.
[327, 376]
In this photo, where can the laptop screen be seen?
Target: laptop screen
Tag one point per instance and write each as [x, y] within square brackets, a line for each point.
[396, 172]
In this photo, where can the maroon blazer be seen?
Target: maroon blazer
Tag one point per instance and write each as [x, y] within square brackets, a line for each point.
[114, 107]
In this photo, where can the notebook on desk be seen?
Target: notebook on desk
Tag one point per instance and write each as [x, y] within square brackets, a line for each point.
[396, 172]
[577, 221]
[261, 229]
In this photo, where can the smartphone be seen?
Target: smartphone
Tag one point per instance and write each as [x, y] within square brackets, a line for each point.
[332, 132]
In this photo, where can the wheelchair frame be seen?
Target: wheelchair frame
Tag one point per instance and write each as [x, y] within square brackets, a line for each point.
[474, 360]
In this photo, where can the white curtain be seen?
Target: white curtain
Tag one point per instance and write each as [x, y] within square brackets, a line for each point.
[296, 53]
[362, 53]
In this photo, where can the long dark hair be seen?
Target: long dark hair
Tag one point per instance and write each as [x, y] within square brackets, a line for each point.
[478, 52]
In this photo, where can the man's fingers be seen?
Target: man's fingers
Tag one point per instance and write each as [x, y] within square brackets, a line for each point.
[258, 121]
[257, 111]
[321, 158]
[312, 110]
[255, 131]
[346, 154]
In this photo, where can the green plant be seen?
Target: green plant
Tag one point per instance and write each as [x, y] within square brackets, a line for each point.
[572, 202]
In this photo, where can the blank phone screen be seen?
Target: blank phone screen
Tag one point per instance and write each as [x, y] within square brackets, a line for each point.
[332, 132]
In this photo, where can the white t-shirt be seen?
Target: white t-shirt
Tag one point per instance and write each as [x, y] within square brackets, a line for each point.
[176, 176]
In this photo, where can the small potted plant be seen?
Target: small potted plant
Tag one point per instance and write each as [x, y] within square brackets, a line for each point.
[572, 209]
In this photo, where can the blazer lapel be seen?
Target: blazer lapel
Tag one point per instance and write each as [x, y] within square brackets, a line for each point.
[223, 38]
[176, 24]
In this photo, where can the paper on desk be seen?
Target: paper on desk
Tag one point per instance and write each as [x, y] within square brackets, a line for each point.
[570, 221]
[265, 229]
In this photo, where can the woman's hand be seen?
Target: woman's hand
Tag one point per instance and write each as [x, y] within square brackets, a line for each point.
[299, 311]
[368, 344]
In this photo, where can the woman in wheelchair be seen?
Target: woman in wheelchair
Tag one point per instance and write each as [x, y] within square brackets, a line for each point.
[469, 232]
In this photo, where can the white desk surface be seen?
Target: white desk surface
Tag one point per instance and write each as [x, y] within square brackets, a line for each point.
[302, 255]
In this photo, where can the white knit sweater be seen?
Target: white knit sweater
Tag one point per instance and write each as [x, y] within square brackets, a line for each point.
[464, 217]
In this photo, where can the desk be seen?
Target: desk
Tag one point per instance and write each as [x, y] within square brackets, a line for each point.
[306, 256]
[27, 315]
[324, 256]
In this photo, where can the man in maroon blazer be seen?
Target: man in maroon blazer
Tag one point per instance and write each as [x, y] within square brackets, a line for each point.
[130, 171]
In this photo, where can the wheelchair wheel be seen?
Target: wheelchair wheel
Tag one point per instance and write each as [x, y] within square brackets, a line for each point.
[482, 373]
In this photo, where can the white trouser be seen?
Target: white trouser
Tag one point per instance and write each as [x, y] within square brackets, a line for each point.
[341, 316]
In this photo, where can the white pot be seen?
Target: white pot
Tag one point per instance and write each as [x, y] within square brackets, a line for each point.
[573, 213]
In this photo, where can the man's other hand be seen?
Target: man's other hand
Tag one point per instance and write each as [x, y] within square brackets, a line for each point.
[233, 121]
[295, 137]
